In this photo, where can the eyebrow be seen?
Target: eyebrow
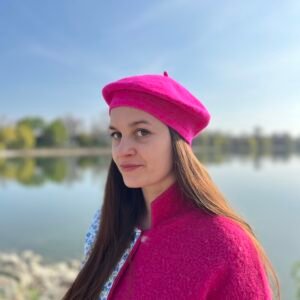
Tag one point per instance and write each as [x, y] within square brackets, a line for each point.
[132, 124]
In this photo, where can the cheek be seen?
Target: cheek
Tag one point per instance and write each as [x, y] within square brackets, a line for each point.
[159, 158]
[115, 157]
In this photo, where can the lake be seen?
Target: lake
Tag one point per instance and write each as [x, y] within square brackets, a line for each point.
[46, 205]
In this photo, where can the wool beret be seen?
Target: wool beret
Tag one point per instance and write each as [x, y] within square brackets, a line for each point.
[162, 97]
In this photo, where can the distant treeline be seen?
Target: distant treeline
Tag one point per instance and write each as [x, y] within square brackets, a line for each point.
[34, 132]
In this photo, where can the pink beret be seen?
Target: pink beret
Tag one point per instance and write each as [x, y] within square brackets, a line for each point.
[162, 97]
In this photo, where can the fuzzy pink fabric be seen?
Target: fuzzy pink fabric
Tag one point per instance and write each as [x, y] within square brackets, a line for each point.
[188, 254]
[162, 97]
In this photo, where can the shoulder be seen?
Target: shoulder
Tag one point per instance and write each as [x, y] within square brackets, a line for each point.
[229, 250]
[217, 236]
[217, 229]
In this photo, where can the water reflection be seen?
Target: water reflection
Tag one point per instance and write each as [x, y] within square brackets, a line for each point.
[36, 171]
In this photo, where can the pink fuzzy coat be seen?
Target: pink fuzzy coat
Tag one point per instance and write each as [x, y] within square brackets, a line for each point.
[188, 254]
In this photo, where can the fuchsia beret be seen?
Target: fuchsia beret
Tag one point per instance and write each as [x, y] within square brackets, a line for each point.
[162, 97]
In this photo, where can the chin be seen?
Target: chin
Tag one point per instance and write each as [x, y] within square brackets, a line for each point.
[132, 184]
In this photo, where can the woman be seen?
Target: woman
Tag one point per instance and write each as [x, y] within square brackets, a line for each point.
[165, 231]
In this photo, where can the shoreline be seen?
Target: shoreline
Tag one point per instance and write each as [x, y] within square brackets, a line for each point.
[59, 152]
[24, 276]
[55, 152]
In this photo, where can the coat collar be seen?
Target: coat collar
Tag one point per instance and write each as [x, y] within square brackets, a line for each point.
[170, 203]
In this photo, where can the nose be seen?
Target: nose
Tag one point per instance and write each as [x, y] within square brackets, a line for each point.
[124, 148]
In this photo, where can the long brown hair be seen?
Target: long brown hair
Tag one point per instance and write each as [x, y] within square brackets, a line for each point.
[124, 207]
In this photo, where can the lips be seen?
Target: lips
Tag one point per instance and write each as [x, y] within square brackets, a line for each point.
[129, 167]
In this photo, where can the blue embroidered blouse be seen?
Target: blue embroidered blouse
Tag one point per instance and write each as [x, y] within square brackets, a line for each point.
[88, 244]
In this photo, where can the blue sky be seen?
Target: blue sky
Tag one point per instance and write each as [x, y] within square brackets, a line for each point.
[241, 58]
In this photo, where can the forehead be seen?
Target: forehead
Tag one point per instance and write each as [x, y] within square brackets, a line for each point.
[123, 116]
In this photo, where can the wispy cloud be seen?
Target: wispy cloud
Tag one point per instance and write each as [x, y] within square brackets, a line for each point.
[48, 53]
[87, 62]
[154, 13]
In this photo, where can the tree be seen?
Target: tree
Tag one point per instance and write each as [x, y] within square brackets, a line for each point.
[35, 123]
[55, 134]
[25, 137]
[74, 127]
[8, 137]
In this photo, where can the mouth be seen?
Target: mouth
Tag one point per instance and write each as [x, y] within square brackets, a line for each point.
[131, 168]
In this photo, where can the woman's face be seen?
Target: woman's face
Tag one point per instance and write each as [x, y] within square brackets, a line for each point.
[145, 144]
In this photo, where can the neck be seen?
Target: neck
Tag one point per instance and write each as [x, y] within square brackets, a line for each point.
[150, 193]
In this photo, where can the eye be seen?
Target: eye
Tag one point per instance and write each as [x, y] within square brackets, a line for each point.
[143, 132]
[113, 133]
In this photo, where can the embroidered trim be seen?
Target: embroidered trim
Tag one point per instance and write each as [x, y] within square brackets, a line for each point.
[108, 284]
[89, 242]
[90, 236]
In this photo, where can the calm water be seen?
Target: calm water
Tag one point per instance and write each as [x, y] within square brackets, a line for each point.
[46, 205]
